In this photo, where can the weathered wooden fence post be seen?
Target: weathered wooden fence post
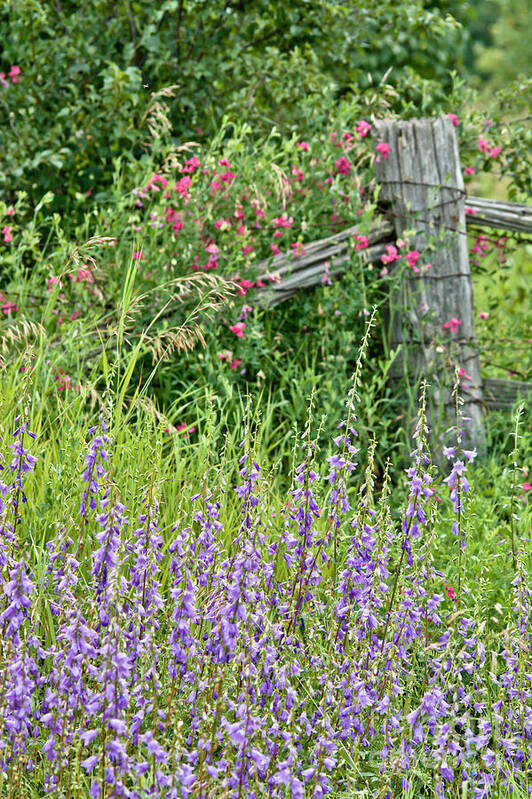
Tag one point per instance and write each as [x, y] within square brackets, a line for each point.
[422, 182]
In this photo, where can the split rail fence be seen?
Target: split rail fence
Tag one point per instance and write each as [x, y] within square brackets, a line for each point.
[423, 189]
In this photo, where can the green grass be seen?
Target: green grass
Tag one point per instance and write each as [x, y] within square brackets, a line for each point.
[144, 451]
[145, 459]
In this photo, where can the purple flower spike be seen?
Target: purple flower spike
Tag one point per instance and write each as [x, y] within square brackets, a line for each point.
[94, 470]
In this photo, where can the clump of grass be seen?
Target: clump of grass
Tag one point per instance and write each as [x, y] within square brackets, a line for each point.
[174, 626]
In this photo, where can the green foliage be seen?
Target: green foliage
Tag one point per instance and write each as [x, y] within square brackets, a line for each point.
[239, 198]
[502, 290]
[89, 72]
[110, 95]
[73, 108]
[132, 280]
[505, 56]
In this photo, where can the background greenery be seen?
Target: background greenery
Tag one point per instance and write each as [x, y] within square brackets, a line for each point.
[90, 70]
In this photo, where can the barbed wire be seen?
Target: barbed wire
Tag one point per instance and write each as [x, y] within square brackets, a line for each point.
[438, 186]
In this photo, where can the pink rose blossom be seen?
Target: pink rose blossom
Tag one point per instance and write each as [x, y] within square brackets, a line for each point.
[83, 275]
[482, 246]
[154, 180]
[453, 324]
[14, 73]
[10, 211]
[483, 315]
[361, 242]
[8, 307]
[297, 249]
[363, 128]
[343, 166]
[391, 254]
[6, 233]
[283, 221]
[469, 170]
[454, 119]
[298, 174]
[238, 329]
[222, 224]
[383, 149]
[182, 428]
[182, 186]
[244, 285]
[412, 257]
[191, 165]
[462, 373]
[227, 177]
[303, 145]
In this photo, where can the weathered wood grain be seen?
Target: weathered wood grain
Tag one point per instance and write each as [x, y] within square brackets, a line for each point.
[501, 394]
[496, 214]
[302, 272]
[423, 184]
[422, 180]
[317, 252]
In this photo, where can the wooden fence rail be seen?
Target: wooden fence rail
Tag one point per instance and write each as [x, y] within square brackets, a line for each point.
[500, 394]
[498, 214]
[422, 184]
[306, 271]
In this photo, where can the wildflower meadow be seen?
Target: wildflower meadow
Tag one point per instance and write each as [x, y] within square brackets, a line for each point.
[239, 556]
[175, 631]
